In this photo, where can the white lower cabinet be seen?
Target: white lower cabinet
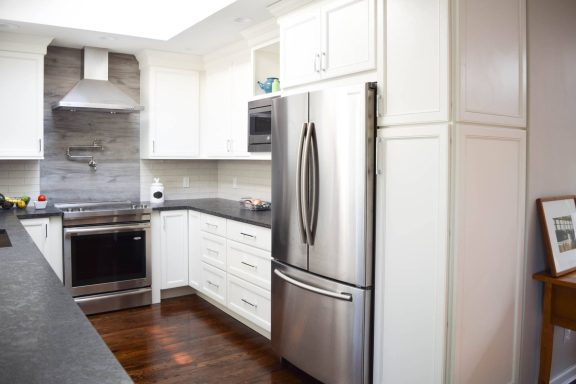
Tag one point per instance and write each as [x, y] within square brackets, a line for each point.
[232, 260]
[249, 301]
[194, 250]
[174, 248]
[249, 263]
[213, 250]
[47, 235]
[213, 282]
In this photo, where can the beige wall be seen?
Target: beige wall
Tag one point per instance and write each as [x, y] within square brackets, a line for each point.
[551, 157]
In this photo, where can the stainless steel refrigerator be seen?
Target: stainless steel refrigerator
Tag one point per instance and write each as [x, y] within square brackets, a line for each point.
[323, 146]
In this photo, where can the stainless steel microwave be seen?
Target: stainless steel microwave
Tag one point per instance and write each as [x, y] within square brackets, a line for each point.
[260, 125]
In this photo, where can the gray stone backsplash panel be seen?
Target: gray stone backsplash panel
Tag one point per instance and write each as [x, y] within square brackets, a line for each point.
[117, 176]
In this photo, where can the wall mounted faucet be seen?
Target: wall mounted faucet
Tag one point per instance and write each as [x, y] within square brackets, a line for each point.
[91, 163]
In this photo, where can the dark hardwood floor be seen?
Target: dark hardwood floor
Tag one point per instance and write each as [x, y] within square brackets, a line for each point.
[187, 340]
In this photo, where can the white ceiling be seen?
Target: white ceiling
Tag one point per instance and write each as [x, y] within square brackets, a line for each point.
[207, 35]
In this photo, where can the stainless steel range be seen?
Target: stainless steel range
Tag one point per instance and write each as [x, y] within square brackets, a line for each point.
[107, 260]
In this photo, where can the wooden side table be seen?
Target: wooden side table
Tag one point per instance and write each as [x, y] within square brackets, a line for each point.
[559, 309]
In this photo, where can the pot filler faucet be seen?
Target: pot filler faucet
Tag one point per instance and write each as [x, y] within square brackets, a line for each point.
[91, 163]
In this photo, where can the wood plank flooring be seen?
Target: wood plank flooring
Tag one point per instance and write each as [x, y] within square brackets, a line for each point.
[187, 340]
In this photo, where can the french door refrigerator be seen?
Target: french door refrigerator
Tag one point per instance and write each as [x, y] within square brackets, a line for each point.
[323, 146]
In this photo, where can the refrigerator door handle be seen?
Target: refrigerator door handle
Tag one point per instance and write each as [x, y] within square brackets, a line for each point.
[305, 190]
[315, 184]
[299, 206]
[335, 295]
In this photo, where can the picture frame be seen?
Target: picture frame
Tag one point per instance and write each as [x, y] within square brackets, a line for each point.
[558, 223]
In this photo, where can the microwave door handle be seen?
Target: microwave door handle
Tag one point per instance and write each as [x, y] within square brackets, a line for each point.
[299, 183]
[320, 291]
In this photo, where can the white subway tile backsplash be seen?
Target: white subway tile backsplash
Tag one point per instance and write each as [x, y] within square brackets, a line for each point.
[20, 177]
[208, 178]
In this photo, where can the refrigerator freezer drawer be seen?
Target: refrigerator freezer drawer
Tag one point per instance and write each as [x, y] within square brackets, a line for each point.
[320, 326]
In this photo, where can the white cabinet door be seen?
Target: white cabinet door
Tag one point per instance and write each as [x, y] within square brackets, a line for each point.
[170, 121]
[224, 130]
[21, 105]
[194, 275]
[300, 48]
[491, 62]
[47, 235]
[415, 74]
[174, 245]
[488, 254]
[240, 91]
[348, 37]
[217, 106]
[411, 255]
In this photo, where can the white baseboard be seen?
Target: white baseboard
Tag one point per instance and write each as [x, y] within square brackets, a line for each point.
[566, 376]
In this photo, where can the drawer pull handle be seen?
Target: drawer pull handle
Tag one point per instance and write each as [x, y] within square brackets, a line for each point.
[212, 225]
[212, 251]
[249, 265]
[249, 303]
[248, 235]
[212, 284]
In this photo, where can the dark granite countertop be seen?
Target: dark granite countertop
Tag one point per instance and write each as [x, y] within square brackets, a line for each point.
[44, 336]
[229, 209]
[32, 213]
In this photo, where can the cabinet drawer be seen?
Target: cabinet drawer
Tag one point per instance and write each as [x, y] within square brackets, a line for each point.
[213, 224]
[249, 263]
[250, 234]
[213, 250]
[213, 282]
[249, 301]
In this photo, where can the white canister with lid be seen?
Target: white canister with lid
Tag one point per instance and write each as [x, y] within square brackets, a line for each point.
[157, 192]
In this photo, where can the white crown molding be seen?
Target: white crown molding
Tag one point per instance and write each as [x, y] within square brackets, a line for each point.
[283, 7]
[239, 47]
[19, 42]
[151, 58]
[262, 32]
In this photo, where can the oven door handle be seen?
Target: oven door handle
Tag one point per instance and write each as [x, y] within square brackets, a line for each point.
[104, 229]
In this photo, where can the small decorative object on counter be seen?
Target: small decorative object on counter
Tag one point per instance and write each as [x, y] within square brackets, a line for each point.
[268, 85]
[157, 192]
[40, 204]
[255, 204]
[276, 85]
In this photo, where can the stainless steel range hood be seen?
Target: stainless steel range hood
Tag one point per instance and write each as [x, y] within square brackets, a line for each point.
[94, 92]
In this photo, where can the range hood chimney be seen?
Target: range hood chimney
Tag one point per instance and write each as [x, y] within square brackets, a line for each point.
[94, 92]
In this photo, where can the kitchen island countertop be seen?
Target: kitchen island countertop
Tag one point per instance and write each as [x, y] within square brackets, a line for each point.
[44, 336]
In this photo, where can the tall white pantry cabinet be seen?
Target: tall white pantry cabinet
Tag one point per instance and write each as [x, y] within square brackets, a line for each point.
[451, 164]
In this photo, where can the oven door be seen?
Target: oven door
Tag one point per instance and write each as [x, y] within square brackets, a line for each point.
[106, 258]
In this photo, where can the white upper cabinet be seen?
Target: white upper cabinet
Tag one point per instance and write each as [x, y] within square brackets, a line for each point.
[300, 48]
[227, 88]
[348, 37]
[170, 93]
[415, 73]
[22, 96]
[170, 121]
[491, 62]
[333, 39]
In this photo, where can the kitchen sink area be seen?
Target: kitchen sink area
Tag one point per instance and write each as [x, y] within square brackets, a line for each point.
[4, 239]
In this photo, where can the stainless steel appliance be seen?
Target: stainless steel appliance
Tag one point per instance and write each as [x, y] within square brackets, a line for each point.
[107, 259]
[322, 231]
[260, 125]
